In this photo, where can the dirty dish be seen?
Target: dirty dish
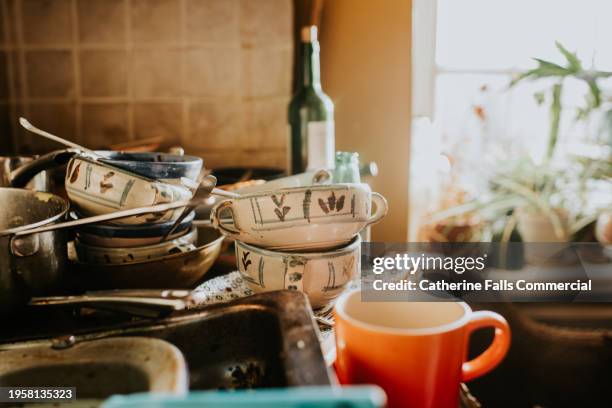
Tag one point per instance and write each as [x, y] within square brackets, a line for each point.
[33, 264]
[96, 188]
[120, 236]
[309, 178]
[108, 255]
[154, 165]
[180, 271]
[99, 368]
[321, 275]
[312, 217]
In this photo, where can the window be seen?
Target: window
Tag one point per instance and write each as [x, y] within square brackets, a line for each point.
[465, 54]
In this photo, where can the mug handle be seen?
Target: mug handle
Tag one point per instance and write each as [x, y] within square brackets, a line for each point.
[382, 207]
[496, 351]
[215, 218]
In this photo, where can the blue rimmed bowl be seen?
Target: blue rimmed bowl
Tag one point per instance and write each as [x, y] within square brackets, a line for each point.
[155, 165]
[121, 236]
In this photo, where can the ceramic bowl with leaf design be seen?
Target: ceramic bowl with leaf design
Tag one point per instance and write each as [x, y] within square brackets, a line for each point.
[322, 276]
[96, 188]
[93, 254]
[300, 218]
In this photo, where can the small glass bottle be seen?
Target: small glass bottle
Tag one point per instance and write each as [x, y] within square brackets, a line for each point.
[347, 168]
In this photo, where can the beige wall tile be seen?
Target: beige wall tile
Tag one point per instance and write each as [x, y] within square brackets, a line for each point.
[102, 21]
[50, 73]
[212, 72]
[58, 119]
[215, 75]
[46, 21]
[156, 73]
[103, 73]
[104, 124]
[265, 124]
[155, 20]
[214, 125]
[266, 22]
[266, 72]
[159, 120]
[213, 21]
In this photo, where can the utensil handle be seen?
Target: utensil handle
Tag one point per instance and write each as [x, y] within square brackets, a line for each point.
[30, 127]
[22, 175]
[224, 193]
[493, 355]
[149, 303]
[215, 218]
[382, 207]
[19, 231]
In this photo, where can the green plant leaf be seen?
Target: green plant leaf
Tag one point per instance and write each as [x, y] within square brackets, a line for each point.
[595, 93]
[573, 62]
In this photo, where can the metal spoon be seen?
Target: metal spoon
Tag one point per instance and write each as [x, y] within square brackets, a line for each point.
[30, 127]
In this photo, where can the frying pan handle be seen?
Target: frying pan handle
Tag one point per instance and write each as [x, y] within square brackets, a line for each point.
[22, 175]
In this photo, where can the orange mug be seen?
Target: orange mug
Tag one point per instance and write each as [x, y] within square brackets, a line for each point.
[415, 351]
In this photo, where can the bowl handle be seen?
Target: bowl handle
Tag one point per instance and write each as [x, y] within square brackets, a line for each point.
[215, 218]
[381, 208]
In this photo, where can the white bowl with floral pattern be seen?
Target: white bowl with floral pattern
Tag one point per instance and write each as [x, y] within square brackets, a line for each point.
[302, 218]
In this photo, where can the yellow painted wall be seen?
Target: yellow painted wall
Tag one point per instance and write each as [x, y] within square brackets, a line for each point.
[366, 69]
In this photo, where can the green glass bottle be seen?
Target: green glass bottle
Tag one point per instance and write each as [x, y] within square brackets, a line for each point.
[311, 114]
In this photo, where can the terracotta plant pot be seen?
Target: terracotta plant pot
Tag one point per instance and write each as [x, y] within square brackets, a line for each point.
[536, 226]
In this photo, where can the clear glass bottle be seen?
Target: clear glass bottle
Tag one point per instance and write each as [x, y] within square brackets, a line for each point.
[347, 168]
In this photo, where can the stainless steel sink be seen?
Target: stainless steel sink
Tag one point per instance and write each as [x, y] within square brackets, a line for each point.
[266, 340]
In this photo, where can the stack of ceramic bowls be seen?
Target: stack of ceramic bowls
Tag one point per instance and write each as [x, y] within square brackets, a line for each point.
[121, 181]
[300, 238]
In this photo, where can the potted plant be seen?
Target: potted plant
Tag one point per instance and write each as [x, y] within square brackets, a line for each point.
[543, 199]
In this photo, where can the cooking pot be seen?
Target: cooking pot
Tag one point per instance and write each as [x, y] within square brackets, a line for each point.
[30, 265]
[41, 182]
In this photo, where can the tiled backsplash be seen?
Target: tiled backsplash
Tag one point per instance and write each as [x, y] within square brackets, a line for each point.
[211, 75]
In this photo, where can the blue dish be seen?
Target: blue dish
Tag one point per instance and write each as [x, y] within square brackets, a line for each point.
[155, 165]
[369, 396]
[133, 231]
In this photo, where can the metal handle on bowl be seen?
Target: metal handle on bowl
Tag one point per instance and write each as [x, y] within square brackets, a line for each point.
[382, 207]
[215, 218]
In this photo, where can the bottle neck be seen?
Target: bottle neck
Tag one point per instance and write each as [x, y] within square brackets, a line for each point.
[311, 70]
